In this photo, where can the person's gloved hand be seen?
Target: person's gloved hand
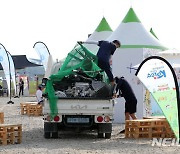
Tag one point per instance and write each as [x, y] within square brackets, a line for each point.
[80, 42]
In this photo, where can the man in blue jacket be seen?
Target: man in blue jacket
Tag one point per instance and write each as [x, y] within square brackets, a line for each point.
[106, 50]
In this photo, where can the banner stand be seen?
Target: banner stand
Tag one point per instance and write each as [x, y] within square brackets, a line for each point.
[9, 68]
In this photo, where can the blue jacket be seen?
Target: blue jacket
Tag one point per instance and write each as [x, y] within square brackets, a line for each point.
[106, 49]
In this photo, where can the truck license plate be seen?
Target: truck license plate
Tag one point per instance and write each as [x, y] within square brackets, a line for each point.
[78, 120]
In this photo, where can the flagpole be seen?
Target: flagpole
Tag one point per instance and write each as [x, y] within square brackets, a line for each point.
[10, 76]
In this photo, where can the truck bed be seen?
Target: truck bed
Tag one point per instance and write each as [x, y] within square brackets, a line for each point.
[82, 106]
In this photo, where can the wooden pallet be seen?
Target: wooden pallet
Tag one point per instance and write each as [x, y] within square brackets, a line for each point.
[34, 110]
[169, 132]
[10, 134]
[146, 128]
[24, 107]
[155, 117]
[1, 117]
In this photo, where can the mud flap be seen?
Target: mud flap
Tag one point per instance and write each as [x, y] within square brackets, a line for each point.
[50, 127]
[105, 128]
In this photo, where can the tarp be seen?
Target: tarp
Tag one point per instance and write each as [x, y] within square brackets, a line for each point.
[78, 58]
[159, 78]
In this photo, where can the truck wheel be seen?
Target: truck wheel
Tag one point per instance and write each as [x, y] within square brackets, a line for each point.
[100, 135]
[54, 134]
[47, 135]
[108, 135]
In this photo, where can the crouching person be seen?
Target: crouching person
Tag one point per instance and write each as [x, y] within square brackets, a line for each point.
[123, 89]
[39, 95]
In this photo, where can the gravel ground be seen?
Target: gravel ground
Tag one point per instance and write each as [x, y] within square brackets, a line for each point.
[33, 141]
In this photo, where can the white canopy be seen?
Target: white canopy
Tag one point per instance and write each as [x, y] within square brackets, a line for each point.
[102, 32]
[132, 34]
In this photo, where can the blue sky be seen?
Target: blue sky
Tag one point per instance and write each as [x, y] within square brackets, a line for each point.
[61, 23]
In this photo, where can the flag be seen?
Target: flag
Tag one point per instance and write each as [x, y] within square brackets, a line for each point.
[42, 52]
[8, 67]
[12, 69]
[49, 65]
[159, 78]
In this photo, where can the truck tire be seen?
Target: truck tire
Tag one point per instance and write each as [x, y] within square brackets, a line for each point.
[100, 135]
[54, 134]
[47, 135]
[107, 135]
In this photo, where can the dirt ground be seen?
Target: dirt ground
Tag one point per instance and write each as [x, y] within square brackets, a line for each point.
[33, 141]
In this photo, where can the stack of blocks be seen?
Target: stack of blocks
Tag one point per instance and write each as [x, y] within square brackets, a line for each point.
[148, 128]
[33, 109]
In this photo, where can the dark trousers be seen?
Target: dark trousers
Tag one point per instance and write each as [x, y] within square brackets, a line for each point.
[106, 67]
[21, 90]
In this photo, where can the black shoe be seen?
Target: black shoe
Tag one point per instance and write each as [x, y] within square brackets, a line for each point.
[122, 132]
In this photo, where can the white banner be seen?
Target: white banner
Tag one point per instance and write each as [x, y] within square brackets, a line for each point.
[49, 65]
[12, 69]
[5, 65]
[43, 53]
[160, 79]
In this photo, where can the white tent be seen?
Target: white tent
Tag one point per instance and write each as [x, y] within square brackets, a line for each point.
[136, 44]
[102, 32]
[170, 52]
[174, 65]
[172, 56]
[132, 34]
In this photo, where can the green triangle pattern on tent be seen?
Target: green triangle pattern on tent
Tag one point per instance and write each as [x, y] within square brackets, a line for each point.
[145, 46]
[152, 32]
[103, 26]
[131, 17]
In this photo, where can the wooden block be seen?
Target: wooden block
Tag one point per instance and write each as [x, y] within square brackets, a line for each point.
[1, 117]
[10, 134]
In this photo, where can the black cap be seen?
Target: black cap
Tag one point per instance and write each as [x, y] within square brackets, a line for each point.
[117, 42]
[40, 86]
